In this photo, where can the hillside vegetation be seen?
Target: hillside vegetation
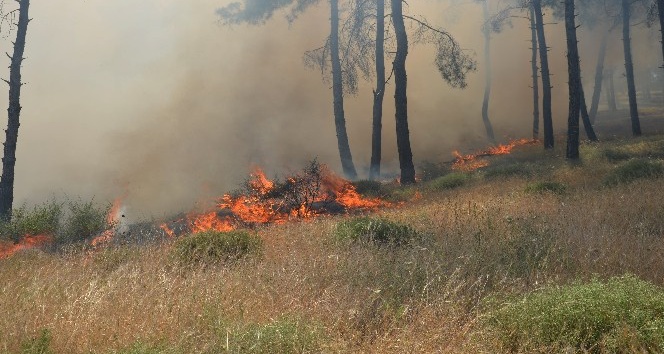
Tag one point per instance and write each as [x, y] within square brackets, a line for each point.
[530, 254]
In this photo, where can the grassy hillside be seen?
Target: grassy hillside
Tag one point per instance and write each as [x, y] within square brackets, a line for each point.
[529, 254]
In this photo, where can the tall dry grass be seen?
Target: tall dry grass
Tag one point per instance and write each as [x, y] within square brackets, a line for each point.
[490, 236]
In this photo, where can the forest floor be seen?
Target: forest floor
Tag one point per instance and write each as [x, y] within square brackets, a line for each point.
[528, 223]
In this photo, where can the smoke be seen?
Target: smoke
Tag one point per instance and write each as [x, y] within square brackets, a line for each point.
[158, 101]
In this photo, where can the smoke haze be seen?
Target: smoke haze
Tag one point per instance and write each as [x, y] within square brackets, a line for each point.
[157, 101]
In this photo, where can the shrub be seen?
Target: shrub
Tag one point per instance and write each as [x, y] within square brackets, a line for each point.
[449, 181]
[371, 188]
[546, 187]
[211, 247]
[615, 155]
[375, 230]
[40, 220]
[432, 170]
[84, 220]
[634, 169]
[280, 336]
[512, 170]
[623, 314]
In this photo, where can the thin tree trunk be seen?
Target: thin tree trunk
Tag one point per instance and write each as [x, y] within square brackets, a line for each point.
[587, 125]
[629, 70]
[546, 79]
[401, 96]
[599, 72]
[660, 10]
[337, 89]
[611, 91]
[379, 93]
[533, 41]
[574, 81]
[487, 73]
[13, 114]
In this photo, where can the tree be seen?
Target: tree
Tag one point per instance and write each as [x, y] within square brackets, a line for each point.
[533, 62]
[13, 113]
[546, 79]
[487, 72]
[660, 12]
[629, 69]
[574, 83]
[378, 93]
[257, 12]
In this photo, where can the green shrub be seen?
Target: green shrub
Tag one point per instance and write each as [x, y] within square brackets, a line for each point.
[40, 220]
[623, 314]
[376, 230]
[211, 247]
[616, 155]
[371, 188]
[546, 187]
[634, 169]
[504, 171]
[83, 221]
[280, 336]
[449, 181]
[38, 345]
[432, 170]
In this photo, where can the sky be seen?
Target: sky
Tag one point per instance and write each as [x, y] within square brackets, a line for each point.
[158, 102]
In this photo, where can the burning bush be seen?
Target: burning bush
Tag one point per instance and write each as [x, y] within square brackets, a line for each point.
[376, 231]
[212, 247]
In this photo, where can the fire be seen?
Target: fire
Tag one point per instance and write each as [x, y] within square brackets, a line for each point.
[210, 221]
[27, 242]
[167, 230]
[472, 162]
[112, 218]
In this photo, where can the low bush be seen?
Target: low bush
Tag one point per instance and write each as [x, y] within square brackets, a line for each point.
[511, 170]
[42, 219]
[546, 187]
[623, 314]
[431, 170]
[371, 188]
[633, 170]
[449, 181]
[376, 231]
[212, 247]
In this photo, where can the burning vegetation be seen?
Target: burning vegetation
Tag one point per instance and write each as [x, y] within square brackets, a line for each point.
[474, 161]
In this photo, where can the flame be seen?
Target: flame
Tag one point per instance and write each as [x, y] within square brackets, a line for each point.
[27, 242]
[112, 218]
[472, 162]
[210, 221]
[169, 232]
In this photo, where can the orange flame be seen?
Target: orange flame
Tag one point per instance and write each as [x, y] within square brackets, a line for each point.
[169, 232]
[472, 162]
[111, 218]
[27, 242]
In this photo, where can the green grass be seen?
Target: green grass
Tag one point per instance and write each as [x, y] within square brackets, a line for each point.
[546, 187]
[213, 247]
[449, 181]
[375, 231]
[633, 170]
[623, 314]
[508, 170]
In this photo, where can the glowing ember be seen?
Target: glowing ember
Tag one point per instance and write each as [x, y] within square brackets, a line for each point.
[28, 242]
[473, 161]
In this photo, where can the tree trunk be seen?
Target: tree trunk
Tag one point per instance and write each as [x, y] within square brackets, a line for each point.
[599, 72]
[629, 70]
[660, 10]
[585, 117]
[546, 80]
[400, 95]
[487, 73]
[338, 92]
[533, 41]
[574, 81]
[379, 93]
[611, 91]
[13, 114]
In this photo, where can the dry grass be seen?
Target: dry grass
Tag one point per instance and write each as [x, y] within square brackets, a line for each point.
[490, 236]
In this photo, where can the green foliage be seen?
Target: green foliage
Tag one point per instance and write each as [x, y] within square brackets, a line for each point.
[376, 231]
[546, 187]
[212, 247]
[84, 220]
[449, 181]
[623, 314]
[40, 220]
[371, 188]
[633, 170]
[432, 170]
[280, 336]
[505, 171]
[38, 345]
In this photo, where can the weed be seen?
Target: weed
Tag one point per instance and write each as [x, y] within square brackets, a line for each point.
[634, 169]
[376, 231]
[211, 247]
[546, 187]
[623, 314]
